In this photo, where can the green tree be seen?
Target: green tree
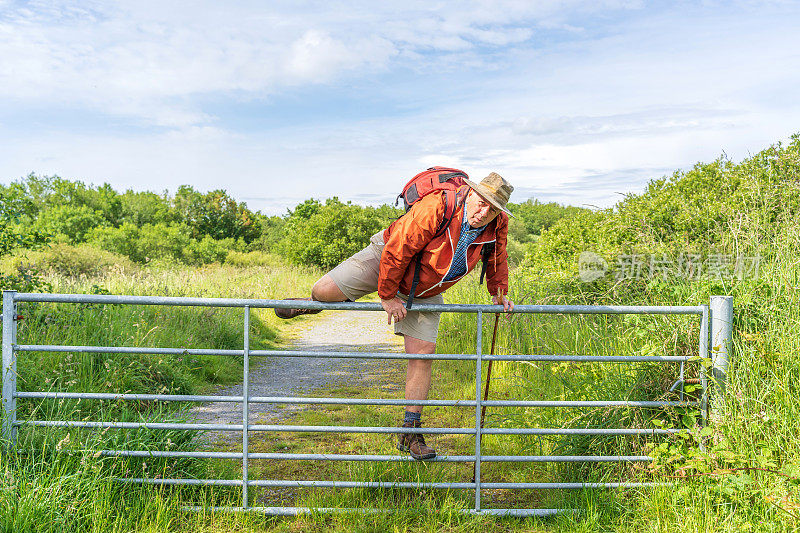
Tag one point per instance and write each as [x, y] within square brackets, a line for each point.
[123, 240]
[272, 232]
[532, 217]
[8, 237]
[25, 279]
[74, 222]
[208, 250]
[216, 214]
[147, 208]
[145, 243]
[162, 241]
[324, 235]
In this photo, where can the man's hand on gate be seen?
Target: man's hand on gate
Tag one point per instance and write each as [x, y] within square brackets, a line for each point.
[507, 304]
[394, 308]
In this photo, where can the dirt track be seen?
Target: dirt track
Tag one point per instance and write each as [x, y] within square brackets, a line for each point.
[335, 331]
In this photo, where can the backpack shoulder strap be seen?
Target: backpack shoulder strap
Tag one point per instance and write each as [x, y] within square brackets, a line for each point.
[452, 205]
[486, 251]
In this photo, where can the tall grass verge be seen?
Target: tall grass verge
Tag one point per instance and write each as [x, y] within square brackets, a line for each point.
[56, 479]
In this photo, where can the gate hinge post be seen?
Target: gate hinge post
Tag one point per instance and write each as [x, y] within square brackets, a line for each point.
[9, 369]
[720, 350]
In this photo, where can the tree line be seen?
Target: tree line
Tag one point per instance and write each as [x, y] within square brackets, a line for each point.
[194, 227]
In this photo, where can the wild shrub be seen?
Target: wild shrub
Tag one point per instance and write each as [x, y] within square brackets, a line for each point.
[325, 234]
[68, 261]
[251, 259]
[208, 250]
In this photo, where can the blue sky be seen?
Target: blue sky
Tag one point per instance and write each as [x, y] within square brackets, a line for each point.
[572, 101]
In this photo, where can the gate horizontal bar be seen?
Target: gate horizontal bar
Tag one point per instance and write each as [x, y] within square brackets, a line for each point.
[234, 399]
[122, 349]
[126, 396]
[468, 357]
[471, 403]
[593, 358]
[238, 427]
[295, 511]
[114, 299]
[344, 401]
[587, 403]
[466, 431]
[359, 401]
[382, 458]
[351, 355]
[362, 355]
[362, 429]
[176, 454]
[253, 353]
[348, 429]
[275, 483]
[129, 425]
[579, 431]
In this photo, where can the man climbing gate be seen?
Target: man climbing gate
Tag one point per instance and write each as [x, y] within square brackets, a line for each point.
[451, 224]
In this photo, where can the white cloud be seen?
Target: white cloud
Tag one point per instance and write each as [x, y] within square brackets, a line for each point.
[105, 55]
[560, 97]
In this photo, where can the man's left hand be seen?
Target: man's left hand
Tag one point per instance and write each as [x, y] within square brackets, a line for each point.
[507, 304]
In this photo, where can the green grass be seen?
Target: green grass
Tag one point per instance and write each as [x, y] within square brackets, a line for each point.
[54, 480]
[70, 489]
[752, 433]
[747, 479]
[51, 490]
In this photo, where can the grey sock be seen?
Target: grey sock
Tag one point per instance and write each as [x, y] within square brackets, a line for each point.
[411, 417]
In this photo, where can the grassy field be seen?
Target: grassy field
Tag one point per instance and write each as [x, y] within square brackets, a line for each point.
[746, 477]
[432, 510]
[55, 483]
[745, 480]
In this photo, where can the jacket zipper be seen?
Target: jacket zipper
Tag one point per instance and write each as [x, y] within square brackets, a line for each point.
[466, 253]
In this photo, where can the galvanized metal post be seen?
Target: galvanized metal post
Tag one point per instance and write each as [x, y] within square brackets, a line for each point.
[721, 336]
[478, 401]
[246, 406]
[703, 354]
[9, 369]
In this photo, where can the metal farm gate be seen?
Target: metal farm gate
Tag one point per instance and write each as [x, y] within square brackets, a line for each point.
[715, 331]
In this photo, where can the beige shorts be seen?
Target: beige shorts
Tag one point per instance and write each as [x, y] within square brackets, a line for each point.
[357, 276]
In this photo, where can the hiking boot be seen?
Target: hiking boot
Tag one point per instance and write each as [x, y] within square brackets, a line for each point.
[291, 313]
[414, 443]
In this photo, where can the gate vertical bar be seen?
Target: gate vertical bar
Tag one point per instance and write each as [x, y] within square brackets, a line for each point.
[478, 401]
[703, 354]
[9, 370]
[246, 406]
[721, 335]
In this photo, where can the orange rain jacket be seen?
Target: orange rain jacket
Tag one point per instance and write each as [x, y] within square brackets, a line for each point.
[414, 231]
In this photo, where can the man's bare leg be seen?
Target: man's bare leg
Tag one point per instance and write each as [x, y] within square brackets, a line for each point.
[418, 373]
[418, 383]
[325, 290]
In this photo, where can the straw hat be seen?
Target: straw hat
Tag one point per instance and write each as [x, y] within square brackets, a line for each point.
[495, 190]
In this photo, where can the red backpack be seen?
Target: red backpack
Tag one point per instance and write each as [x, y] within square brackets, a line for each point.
[437, 180]
[434, 179]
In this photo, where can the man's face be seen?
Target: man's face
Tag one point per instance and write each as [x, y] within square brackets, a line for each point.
[479, 211]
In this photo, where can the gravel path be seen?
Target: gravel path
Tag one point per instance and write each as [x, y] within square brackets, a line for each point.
[335, 331]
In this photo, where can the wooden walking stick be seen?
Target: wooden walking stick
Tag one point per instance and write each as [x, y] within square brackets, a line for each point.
[486, 388]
